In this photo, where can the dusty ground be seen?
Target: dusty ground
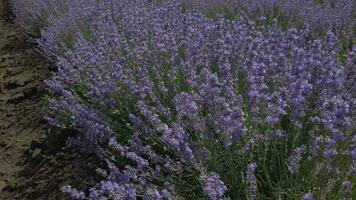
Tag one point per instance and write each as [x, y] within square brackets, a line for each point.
[33, 164]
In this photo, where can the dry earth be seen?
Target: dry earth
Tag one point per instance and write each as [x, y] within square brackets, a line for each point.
[33, 164]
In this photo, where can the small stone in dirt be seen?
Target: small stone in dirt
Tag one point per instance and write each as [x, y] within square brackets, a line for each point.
[8, 146]
[36, 152]
[52, 161]
[28, 81]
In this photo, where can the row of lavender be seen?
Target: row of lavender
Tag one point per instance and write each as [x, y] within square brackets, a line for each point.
[318, 15]
[182, 106]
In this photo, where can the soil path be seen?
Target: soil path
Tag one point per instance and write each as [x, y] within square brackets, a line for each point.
[32, 164]
[22, 72]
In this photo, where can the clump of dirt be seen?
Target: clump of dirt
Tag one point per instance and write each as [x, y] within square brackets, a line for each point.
[33, 165]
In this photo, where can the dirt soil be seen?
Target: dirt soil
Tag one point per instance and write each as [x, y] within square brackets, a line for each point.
[33, 163]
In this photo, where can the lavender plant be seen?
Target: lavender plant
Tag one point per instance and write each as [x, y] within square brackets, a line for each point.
[320, 16]
[182, 106]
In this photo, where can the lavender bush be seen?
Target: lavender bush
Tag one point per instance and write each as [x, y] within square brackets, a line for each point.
[318, 15]
[183, 106]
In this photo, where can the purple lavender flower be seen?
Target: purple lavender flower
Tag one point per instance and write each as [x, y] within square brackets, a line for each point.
[321, 16]
[186, 105]
[278, 134]
[308, 196]
[294, 159]
[353, 153]
[213, 187]
[251, 181]
[330, 150]
[156, 86]
[347, 186]
[75, 194]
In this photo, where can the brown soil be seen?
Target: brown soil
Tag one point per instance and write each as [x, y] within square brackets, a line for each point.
[33, 164]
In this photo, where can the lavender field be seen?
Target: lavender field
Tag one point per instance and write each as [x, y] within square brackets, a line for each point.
[202, 99]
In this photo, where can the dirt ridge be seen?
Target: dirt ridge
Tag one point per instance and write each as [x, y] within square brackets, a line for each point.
[33, 165]
[22, 72]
